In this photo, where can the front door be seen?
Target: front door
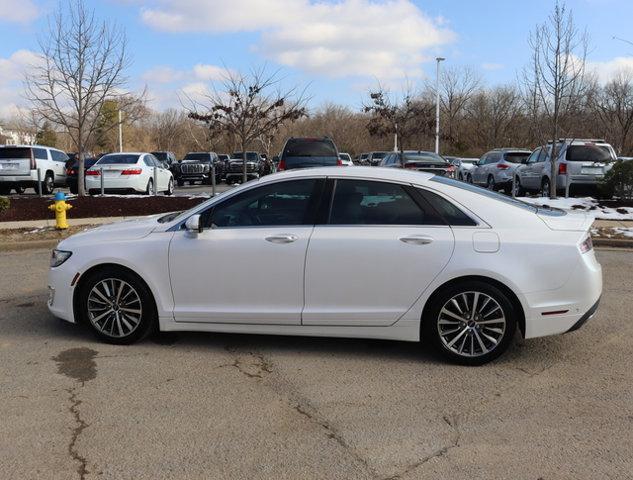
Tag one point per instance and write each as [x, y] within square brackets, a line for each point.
[378, 251]
[247, 265]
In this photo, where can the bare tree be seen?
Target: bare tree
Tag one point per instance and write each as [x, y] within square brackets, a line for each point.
[457, 86]
[410, 117]
[613, 106]
[82, 64]
[248, 107]
[555, 77]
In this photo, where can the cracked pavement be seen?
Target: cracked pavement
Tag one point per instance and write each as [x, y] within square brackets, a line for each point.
[244, 406]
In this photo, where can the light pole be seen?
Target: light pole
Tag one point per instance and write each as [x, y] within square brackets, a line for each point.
[437, 104]
[120, 133]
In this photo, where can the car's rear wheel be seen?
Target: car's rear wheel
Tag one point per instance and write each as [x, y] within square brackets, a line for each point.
[470, 323]
[19, 190]
[117, 306]
[150, 187]
[469, 178]
[545, 187]
[170, 187]
[518, 189]
[490, 184]
[181, 183]
[5, 191]
[48, 185]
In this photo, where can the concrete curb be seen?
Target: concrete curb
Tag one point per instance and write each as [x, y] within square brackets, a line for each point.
[29, 245]
[50, 222]
[612, 242]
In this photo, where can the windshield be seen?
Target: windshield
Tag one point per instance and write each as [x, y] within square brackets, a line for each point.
[588, 153]
[118, 158]
[516, 157]
[15, 153]
[378, 154]
[485, 192]
[250, 156]
[197, 157]
[423, 157]
[162, 156]
[310, 148]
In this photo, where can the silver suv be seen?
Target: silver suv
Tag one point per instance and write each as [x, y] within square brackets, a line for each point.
[580, 162]
[495, 169]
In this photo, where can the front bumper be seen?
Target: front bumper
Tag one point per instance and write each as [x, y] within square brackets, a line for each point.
[60, 291]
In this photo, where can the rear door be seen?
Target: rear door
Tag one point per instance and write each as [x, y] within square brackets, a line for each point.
[374, 254]
[15, 161]
[477, 171]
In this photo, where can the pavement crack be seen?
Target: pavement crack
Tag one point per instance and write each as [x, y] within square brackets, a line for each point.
[250, 364]
[80, 426]
[452, 422]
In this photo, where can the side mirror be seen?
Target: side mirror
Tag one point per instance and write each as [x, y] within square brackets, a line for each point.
[524, 161]
[193, 224]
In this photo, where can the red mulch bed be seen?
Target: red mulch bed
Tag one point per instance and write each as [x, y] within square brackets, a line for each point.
[90, 207]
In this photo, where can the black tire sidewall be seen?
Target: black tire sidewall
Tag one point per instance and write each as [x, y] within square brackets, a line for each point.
[148, 319]
[430, 335]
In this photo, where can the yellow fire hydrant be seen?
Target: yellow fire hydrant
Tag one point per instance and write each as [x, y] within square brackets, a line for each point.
[59, 207]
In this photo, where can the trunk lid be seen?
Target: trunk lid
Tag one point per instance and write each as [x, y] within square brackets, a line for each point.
[560, 220]
[15, 160]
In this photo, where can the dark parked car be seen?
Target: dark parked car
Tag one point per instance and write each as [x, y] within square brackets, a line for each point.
[255, 167]
[303, 152]
[166, 158]
[374, 158]
[196, 167]
[418, 160]
[72, 172]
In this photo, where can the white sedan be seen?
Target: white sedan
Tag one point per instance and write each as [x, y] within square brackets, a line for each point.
[362, 252]
[129, 173]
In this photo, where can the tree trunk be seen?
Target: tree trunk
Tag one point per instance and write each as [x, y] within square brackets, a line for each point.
[244, 169]
[81, 190]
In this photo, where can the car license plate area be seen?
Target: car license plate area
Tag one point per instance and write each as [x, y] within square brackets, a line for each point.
[8, 166]
[592, 170]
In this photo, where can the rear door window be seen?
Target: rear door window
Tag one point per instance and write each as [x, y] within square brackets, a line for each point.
[366, 202]
[515, 157]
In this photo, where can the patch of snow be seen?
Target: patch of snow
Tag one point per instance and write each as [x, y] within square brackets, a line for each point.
[583, 204]
[627, 232]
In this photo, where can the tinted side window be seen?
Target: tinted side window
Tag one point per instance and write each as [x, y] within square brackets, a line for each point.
[282, 203]
[40, 153]
[493, 157]
[449, 212]
[534, 156]
[363, 202]
[147, 160]
[59, 156]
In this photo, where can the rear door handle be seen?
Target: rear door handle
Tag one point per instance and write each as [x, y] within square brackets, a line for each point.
[416, 240]
[283, 238]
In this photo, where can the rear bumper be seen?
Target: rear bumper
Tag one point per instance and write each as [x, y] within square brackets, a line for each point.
[28, 180]
[585, 317]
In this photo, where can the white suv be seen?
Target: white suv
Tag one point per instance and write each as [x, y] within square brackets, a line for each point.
[19, 165]
[580, 162]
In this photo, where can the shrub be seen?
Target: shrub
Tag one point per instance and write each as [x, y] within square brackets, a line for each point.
[618, 182]
[4, 204]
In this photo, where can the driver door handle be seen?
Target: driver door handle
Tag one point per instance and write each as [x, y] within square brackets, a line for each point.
[416, 240]
[283, 238]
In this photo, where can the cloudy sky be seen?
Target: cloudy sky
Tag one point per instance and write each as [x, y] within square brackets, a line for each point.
[337, 47]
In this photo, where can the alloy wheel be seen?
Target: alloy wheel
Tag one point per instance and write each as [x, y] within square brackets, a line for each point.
[114, 308]
[471, 324]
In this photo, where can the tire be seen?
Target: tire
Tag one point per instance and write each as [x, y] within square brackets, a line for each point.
[463, 345]
[135, 314]
[48, 185]
[5, 191]
[519, 191]
[170, 187]
[74, 190]
[19, 190]
[149, 190]
[545, 187]
[180, 183]
[469, 178]
[460, 177]
[490, 183]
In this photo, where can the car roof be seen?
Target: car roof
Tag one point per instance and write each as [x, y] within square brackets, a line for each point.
[369, 173]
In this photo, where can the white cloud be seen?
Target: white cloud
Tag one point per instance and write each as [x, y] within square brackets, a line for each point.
[19, 11]
[607, 70]
[492, 66]
[209, 72]
[386, 39]
[13, 69]
[162, 74]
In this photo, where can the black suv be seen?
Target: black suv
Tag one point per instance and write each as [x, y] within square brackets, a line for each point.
[306, 152]
[255, 167]
[196, 167]
[166, 158]
[72, 172]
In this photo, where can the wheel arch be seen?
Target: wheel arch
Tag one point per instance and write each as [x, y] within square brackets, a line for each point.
[81, 284]
[514, 299]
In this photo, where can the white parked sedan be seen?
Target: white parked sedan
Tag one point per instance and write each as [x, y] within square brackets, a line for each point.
[129, 173]
[362, 252]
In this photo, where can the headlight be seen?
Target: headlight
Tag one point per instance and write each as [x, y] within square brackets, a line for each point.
[59, 256]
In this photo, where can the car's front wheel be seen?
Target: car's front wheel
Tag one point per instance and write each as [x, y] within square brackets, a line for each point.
[117, 306]
[170, 187]
[470, 323]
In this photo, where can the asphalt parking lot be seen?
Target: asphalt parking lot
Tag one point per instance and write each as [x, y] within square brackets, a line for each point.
[243, 407]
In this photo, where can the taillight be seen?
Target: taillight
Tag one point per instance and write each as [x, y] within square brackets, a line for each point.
[92, 172]
[33, 163]
[503, 166]
[586, 245]
[132, 171]
[409, 165]
[562, 169]
[282, 165]
[339, 162]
